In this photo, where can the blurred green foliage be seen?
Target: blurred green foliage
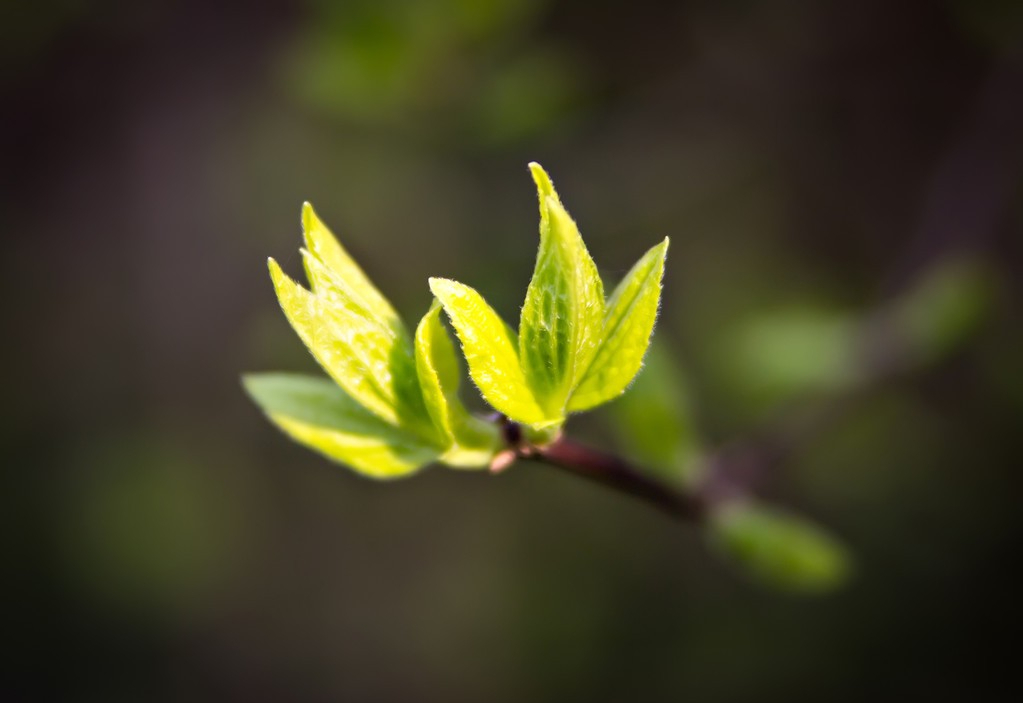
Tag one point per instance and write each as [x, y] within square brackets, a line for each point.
[944, 309]
[398, 62]
[775, 355]
[655, 421]
[779, 549]
[147, 527]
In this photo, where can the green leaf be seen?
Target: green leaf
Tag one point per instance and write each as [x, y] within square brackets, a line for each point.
[471, 442]
[655, 421]
[780, 353]
[625, 334]
[490, 350]
[438, 371]
[356, 285]
[779, 549]
[944, 308]
[371, 360]
[561, 319]
[318, 414]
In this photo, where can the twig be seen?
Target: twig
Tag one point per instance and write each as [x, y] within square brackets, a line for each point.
[608, 470]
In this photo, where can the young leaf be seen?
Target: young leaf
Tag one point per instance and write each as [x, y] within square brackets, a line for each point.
[655, 420]
[472, 442]
[318, 414]
[625, 335]
[564, 307]
[386, 333]
[779, 549]
[361, 352]
[438, 371]
[944, 308]
[324, 245]
[490, 350]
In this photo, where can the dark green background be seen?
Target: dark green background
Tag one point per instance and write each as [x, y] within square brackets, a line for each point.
[809, 160]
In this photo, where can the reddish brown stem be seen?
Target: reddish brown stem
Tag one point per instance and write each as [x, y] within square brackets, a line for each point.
[613, 472]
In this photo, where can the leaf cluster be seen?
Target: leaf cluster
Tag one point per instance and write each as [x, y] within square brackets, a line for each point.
[391, 403]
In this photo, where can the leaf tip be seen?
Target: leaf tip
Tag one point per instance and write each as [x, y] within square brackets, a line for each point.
[247, 380]
[439, 286]
[281, 281]
[254, 384]
[308, 216]
[662, 252]
[544, 185]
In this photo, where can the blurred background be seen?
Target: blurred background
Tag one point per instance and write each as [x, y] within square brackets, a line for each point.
[842, 186]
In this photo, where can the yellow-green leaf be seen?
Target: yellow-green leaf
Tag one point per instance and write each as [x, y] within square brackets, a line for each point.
[318, 414]
[625, 335]
[471, 442]
[365, 355]
[564, 308]
[357, 286]
[490, 350]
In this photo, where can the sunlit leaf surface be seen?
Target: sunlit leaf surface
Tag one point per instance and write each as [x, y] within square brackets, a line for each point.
[564, 308]
[362, 353]
[490, 350]
[625, 334]
[318, 414]
[347, 274]
[472, 442]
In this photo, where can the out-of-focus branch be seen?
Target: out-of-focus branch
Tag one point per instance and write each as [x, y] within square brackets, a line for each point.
[972, 186]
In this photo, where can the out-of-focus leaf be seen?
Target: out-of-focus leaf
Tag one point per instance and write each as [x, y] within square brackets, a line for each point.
[781, 353]
[472, 442]
[526, 95]
[490, 350]
[380, 61]
[148, 523]
[561, 319]
[779, 549]
[364, 354]
[625, 333]
[655, 421]
[944, 308]
[318, 414]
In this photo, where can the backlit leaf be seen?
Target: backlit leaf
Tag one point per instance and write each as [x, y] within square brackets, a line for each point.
[371, 361]
[472, 442]
[318, 414]
[625, 334]
[324, 245]
[490, 350]
[564, 308]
